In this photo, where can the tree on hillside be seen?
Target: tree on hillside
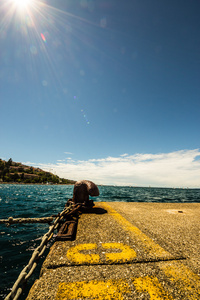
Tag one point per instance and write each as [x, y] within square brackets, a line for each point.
[2, 164]
[9, 162]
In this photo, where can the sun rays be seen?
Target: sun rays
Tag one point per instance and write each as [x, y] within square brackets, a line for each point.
[22, 4]
[45, 45]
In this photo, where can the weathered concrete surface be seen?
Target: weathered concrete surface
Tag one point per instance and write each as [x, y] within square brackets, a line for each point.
[174, 226]
[126, 251]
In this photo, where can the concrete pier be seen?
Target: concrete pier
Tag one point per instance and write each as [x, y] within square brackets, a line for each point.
[126, 251]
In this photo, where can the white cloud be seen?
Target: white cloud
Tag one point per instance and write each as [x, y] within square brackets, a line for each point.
[29, 163]
[125, 154]
[175, 169]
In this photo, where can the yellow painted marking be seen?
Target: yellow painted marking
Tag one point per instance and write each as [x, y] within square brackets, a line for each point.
[111, 289]
[101, 290]
[152, 286]
[183, 278]
[126, 254]
[149, 244]
[75, 256]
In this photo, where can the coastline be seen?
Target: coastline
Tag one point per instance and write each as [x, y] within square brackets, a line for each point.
[23, 183]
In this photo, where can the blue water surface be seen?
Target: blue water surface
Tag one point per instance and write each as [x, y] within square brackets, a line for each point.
[17, 242]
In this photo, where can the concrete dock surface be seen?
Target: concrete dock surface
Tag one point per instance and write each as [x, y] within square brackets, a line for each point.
[126, 251]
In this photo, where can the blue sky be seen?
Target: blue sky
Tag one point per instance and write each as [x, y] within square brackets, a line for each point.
[87, 87]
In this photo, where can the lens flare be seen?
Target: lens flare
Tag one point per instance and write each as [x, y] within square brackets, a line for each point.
[43, 37]
[21, 4]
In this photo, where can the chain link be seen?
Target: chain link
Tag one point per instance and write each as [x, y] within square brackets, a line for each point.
[25, 274]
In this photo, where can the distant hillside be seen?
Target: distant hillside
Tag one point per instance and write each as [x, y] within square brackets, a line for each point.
[11, 171]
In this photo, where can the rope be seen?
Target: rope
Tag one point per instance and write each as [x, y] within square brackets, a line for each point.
[11, 220]
[25, 274]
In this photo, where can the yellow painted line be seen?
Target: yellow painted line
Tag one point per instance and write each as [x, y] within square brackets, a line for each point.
[182, 278]
[101, 290]
[152, 286]
[149, 244]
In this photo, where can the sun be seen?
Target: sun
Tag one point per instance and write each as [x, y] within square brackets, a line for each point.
[22, 4]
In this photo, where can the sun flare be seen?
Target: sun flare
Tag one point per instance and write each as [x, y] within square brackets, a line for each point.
[22, 4]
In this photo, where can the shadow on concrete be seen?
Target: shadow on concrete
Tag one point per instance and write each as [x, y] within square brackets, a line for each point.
[93, 210]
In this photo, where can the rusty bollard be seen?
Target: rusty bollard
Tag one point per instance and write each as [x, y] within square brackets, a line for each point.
[82, 190]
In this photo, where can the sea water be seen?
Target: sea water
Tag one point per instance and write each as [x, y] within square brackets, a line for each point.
[17, 242]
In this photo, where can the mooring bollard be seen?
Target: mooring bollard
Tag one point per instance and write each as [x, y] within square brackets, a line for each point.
[82, 190]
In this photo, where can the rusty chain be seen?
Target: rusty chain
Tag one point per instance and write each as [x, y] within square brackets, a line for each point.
[26, 273]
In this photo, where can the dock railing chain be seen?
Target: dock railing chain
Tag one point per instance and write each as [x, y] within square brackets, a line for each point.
[26, 273]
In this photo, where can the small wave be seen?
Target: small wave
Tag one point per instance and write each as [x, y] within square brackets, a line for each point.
[37, 239]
